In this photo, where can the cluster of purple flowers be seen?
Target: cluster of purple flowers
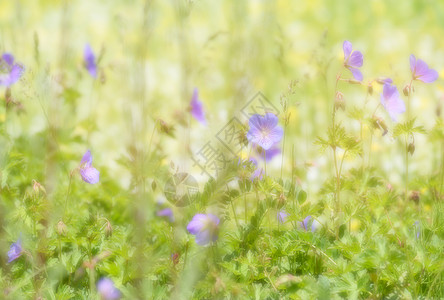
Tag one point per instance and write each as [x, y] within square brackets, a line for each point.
[10, 71]
[390, 98]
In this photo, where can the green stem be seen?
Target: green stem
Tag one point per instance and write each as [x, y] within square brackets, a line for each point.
[67, 194]
[283, 149]
[407, 146]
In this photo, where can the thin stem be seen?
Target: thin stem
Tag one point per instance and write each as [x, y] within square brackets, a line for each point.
[337, 181]
[67, 194]
[265, 164]
[407, 146]
[283, 149]
[245, 203]
[406, 169]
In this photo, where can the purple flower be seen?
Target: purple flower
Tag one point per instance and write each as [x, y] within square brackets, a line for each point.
[87, 171]
[264, 130]
[205, 228]
[15, 251]
[10, 72]
[197, 110]
[352, 60]
[391, 101]
[282, 216]
[166, 212]
[258, 172]
[421, 71]
[309, 223]
[269, 154]
[107, 290]
[90, 61]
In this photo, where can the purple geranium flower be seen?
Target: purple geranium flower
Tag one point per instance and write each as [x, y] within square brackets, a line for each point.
[15, 251]
[391, 101]
[282, 216]
[258, 172]
[352, 60]
[309, 223]
[166, 212]
[205, 228]
[10, 72]
[197, 110]
[87, 171]
[264, 130]
[90, 61]
[107, 290]
[421, 71]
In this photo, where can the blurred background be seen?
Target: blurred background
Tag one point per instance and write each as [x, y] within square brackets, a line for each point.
[151, 55]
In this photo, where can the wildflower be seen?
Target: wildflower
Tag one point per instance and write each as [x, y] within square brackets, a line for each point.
[391, 101]
[258, 172]
[352, 60]
[15, 251]
[197, 110]
[90, 61]
[107, 290]
[61, 228]
[87, 171]
[309, 223]
[10, 72]
[282, 216]
[205, 228]
[264, 130]
[420, 70]
[166, 212]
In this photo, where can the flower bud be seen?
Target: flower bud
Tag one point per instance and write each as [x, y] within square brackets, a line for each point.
[370, 89]
[414, 196]
[175, 258]
[339, 101]
[378, 123]
[61, 228]
[281, 201]
[108, 229]
[37, 187]
[406, 90]
[411, 148]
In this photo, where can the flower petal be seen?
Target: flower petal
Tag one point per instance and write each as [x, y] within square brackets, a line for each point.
[86, 159]
[356, 73]
[347, 48]
[430, 76]
[356, 59]
[90, 60]
[412, 63]
[8, 58]
[421, 68]
[90, 175]
[197, 223]
[197, 110]
[203, 237]
[276, 135]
